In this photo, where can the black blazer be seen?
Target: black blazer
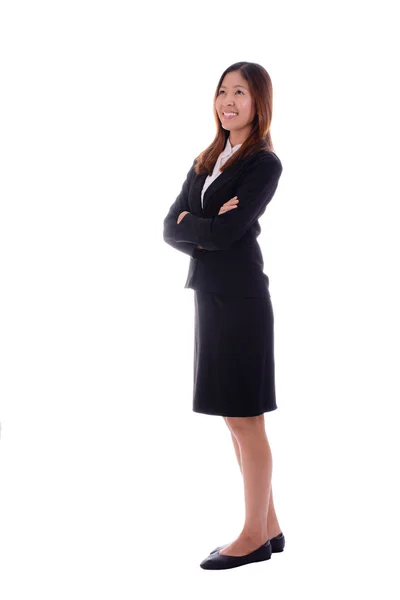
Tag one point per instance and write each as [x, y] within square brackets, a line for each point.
[230, 261]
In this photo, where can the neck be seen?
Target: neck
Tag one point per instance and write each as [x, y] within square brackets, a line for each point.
[238, 137]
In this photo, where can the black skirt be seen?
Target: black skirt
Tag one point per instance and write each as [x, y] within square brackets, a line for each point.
[234, 369]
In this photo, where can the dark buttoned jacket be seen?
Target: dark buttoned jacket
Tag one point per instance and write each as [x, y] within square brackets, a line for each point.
[230, 259]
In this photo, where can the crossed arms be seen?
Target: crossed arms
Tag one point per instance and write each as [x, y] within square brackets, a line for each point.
[255, 189]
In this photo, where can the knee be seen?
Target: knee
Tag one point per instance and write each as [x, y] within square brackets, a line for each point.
[242, 425]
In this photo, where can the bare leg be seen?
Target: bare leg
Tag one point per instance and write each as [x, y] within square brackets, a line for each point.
[256, 465]
[273, 527]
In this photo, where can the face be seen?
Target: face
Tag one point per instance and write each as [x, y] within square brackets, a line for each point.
[234, 96]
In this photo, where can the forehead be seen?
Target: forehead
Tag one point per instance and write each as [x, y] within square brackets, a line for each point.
[233, 80]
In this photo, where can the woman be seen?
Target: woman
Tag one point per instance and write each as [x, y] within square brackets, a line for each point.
[215, 221]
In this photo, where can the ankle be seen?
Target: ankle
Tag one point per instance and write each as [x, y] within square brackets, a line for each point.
[254, 536]
[272, 533]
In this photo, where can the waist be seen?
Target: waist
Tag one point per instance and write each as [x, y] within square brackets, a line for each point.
[237, 272]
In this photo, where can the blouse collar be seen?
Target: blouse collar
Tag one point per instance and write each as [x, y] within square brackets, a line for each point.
[229, 149]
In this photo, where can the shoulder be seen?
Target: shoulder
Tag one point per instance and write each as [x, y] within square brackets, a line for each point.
[267, 158]
[260, 160]
[263, 164]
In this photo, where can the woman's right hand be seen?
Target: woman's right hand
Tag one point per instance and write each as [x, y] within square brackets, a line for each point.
[232, 203]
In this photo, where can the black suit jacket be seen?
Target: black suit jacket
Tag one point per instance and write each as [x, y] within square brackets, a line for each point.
[230, 261]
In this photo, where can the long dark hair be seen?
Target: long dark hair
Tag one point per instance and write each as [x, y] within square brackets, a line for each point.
[260, 86]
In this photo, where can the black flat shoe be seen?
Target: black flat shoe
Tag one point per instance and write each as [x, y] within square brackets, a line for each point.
[219, 561]
[277, 544]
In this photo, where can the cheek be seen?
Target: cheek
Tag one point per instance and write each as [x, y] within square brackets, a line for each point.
[247, 106]
[247, 110]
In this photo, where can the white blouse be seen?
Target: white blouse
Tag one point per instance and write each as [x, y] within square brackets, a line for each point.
[221, 160]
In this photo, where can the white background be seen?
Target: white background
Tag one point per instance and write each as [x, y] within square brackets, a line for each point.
[111, 487]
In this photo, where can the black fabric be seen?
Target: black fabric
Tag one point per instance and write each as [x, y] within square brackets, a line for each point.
[234, 369]
[230, 260]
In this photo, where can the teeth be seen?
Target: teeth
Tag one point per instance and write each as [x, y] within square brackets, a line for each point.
[229, 114]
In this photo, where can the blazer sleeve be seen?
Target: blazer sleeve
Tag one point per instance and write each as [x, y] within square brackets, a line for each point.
[180, 204]
[255, 189]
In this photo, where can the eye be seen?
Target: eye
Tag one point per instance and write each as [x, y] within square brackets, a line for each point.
[235, 92]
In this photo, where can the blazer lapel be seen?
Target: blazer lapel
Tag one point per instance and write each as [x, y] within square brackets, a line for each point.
[213, 188]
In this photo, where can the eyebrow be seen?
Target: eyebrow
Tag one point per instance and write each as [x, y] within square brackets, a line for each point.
[222, 86]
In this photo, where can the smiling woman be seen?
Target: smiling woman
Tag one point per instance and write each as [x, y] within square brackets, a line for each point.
[215, 219]
[235, 106]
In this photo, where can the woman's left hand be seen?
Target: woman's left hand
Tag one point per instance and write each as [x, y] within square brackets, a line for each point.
[182, 214]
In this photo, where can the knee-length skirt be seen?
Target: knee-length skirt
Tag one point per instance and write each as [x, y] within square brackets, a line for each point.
[234, 367]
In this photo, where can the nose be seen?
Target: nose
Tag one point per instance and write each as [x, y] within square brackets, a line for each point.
[230, 103]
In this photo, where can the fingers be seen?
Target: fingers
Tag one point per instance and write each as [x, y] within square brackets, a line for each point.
[229, 205]
[226, 209]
